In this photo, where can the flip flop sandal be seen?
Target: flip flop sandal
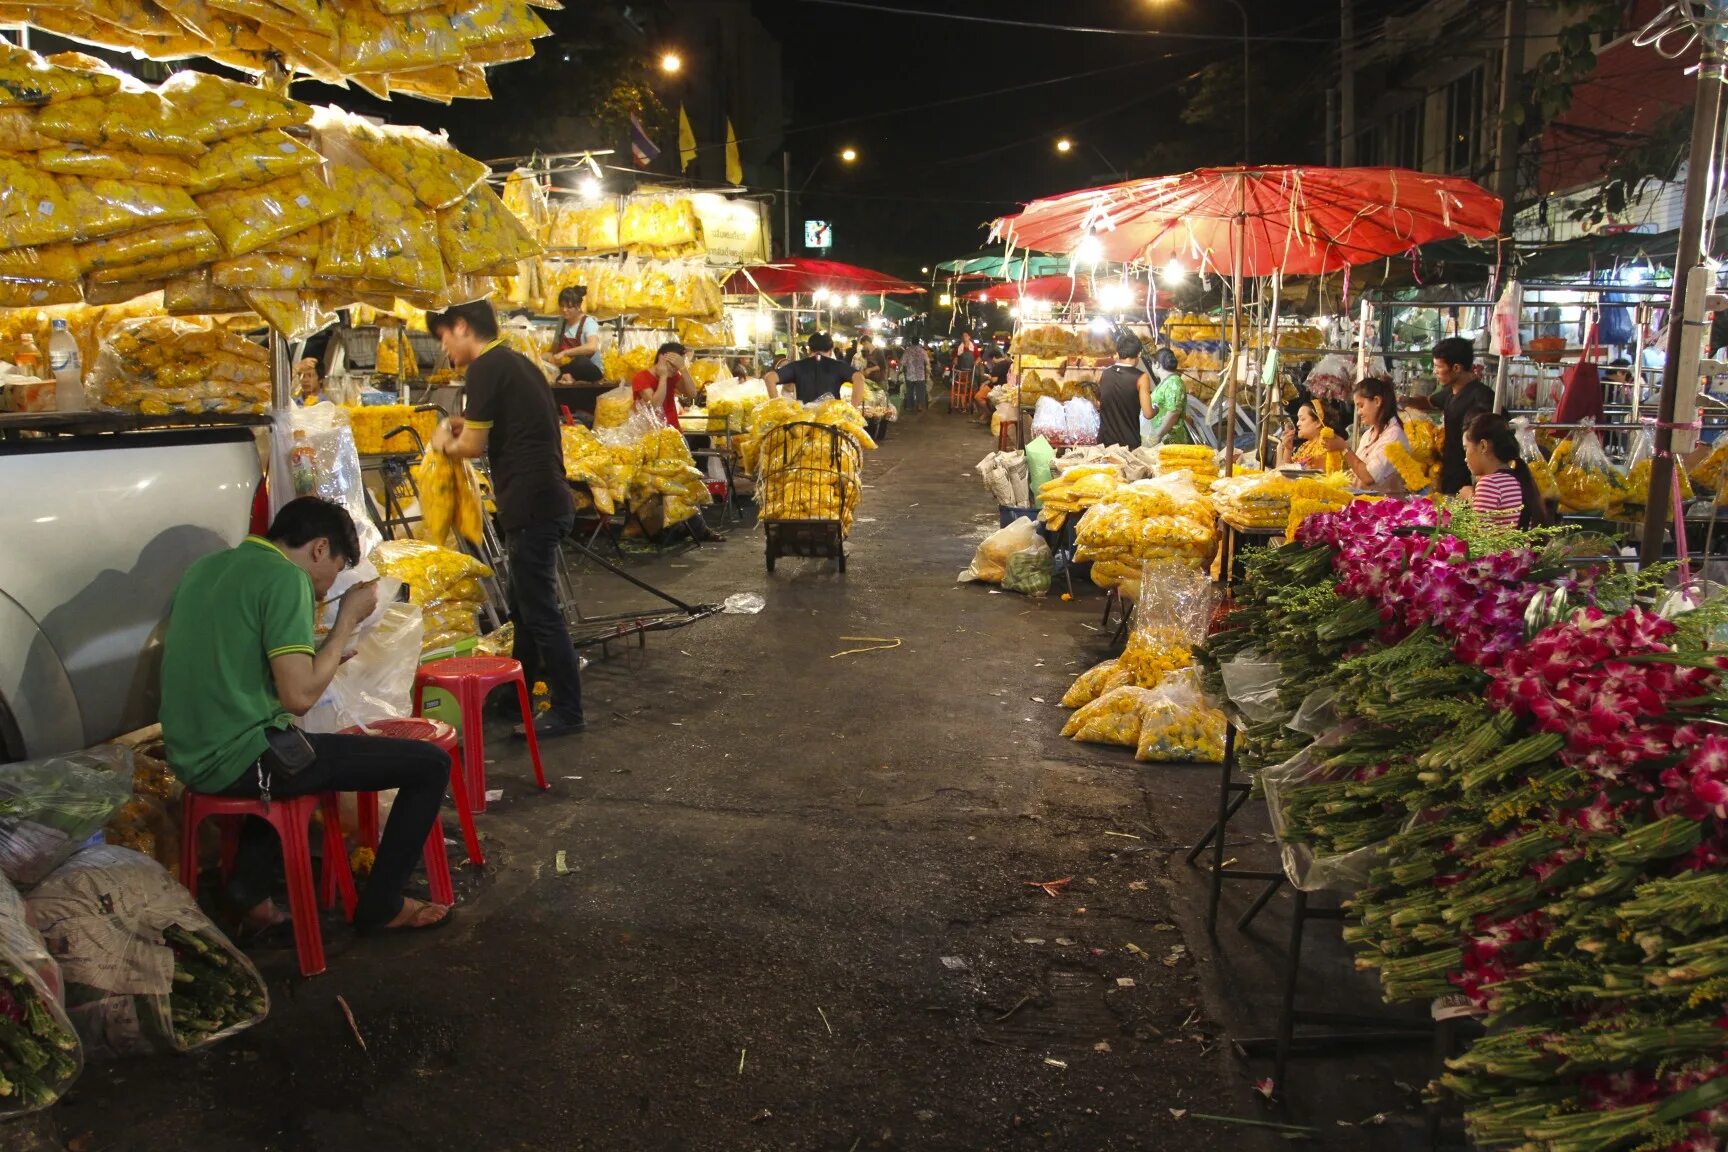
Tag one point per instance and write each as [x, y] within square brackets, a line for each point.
[411, 926]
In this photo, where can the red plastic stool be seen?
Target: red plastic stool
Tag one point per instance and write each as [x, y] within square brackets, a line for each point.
[290, 816]
[470, 679]
[437, 860]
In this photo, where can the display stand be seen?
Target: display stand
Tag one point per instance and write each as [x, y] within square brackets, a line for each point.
[1232, 794]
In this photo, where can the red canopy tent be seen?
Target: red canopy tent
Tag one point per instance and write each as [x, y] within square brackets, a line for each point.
[1060, 290]
[799, 274]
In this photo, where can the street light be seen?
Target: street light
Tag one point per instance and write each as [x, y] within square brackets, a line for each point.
[1237, 4]
[671, 63]
[849, 154]
[1064, 145]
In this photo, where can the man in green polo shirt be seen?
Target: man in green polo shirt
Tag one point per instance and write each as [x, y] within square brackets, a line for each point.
[241, 658]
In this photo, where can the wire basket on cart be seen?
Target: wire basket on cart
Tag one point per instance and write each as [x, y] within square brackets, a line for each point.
[808, 489]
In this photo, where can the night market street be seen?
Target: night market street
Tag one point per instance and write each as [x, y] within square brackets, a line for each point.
[796, 913]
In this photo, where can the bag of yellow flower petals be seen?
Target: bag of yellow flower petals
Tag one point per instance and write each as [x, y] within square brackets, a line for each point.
[1178, 725]
[246, 219]
[1113, 718]
[1095, 681]
[478, 234]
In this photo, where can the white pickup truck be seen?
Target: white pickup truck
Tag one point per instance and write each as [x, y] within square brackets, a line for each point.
[95, 533]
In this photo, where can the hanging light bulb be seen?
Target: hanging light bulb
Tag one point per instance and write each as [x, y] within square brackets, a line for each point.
[1090, 250]
[852, 300]
[1174, 273]
[589, 187]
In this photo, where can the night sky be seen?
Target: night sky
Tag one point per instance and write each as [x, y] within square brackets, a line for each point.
[928, 179]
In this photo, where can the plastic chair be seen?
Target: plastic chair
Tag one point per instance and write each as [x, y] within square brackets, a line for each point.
[470, 679]
[366, 803]
[291, 816]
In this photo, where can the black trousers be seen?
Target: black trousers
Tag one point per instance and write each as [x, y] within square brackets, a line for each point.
[542, 638]
[419, 772]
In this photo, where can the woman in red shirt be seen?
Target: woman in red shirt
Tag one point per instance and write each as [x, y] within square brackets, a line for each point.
[661, 385]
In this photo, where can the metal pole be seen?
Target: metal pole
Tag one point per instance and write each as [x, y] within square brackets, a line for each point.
[1346, 84]
[1237, 359]
[786, 201]
[1700, 161]
[1506, 132]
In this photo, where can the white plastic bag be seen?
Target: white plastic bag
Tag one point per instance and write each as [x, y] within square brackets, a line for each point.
[1252, 683]
[990, 562]
[1505, 340]
[313, 448]
[378, 682]
[145, 970]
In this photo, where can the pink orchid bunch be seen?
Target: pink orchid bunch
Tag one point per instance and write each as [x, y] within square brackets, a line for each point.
[1367, 518]
[1697, 787]
[1368, 567]
[1493, 955]
[1573, 679]
[1611, 1091]
[1479, 604]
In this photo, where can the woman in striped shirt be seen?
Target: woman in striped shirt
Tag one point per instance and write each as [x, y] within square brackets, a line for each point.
[1504, 490]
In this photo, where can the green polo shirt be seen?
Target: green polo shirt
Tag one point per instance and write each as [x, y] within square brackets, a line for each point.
[233, 613]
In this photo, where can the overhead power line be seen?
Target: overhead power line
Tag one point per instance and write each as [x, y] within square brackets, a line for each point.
[1147, 33]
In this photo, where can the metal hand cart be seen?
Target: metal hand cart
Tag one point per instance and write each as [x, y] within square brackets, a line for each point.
[809, 488]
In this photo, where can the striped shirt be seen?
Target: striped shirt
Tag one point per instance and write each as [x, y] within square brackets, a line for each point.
[1499, 497]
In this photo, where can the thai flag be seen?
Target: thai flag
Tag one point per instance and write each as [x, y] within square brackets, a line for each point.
[642, 149]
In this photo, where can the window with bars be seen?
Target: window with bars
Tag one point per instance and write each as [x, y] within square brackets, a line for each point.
[1464, 122]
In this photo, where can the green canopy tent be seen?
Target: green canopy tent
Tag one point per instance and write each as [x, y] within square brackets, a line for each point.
[996, 266]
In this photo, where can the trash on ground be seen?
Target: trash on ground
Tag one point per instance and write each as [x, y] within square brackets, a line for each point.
[353, 1026]
[1055, 1063]
[877, 644]
[493, 795]
[743, 604]
[1052, 888]
[561, 863]
[952, 962]
[1124, 981]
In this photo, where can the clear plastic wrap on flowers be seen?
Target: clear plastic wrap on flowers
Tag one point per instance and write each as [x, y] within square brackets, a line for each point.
[1178, 725]
[436, 173]
[990, 560]
[142, 121]
[100, 208]
[370, 41]
[294, 314]
[305, 14]
[480, 235]
[135, 247]
[33, 208]
[49, 807]
[27, 79]
[17, 293]
[433, 574]
[201, 248]
[1588, 482]
[1113, 718]
[115, 164]
[220, 108]
[391, 242]
[1095, 681]
[592, 227]
[18, 131]
[41, 1056]
[485, 23]
[261, 270]
[130, 292]
[246, 219]
[526, 198]
[158, 366]
[1296, 792]
[193, 294]
[1175, 600]
[1534, 458]
[255, 158]
[145, 970]
[46, 262]
[660, 227]
[449, 500]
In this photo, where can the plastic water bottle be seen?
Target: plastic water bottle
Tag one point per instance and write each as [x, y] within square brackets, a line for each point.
[68, 372]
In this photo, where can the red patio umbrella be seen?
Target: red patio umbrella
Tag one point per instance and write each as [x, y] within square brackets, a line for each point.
[801, 275]
[1255, 221]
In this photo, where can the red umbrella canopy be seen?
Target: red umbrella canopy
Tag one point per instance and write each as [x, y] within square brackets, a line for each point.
[799, 274]
[1257, 220]
[1107, 290]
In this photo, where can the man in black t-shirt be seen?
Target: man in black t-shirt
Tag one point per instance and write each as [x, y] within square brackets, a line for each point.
[819, 375]
[508, 417]
[1461, 397]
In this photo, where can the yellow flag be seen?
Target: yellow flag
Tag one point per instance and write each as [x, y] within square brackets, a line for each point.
[686, 141]
[734, 168]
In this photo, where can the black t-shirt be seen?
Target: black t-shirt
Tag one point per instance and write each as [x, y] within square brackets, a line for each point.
[1459, 407]
[815, 377]
[508, 396]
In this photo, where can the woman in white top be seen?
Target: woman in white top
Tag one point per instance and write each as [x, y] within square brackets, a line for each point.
[1377, 413]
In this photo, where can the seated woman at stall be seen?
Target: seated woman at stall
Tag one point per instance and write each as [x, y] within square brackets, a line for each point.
[1503, 489]
[1377, 413]
[1308, 444]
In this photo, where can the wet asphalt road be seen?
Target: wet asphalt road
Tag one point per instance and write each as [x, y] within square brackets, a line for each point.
[797, 912]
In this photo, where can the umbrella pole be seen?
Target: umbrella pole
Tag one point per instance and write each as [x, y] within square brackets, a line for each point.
[1269, 348]
[1237, 359]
